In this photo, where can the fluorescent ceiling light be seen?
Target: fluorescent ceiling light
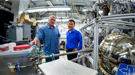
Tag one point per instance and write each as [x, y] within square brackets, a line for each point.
[62, 20]
[58, 9]
[42, 20]
[51, 8]
[50, 3]
[36, 10]
[57, 20]
[58, 13]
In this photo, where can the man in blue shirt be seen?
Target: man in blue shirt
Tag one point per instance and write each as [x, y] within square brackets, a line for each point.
[50, 36]
[74, 38]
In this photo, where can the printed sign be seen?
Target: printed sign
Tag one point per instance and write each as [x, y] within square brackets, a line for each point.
[126, 70]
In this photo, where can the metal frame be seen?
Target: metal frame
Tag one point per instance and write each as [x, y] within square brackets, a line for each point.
[7, 54]
[85, 55]
[112, 22]
[56, 55]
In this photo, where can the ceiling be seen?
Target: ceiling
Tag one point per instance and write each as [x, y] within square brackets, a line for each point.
[62, 2]
[79, 4]
[38, 3]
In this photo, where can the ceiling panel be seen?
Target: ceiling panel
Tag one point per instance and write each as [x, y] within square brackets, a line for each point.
[61, 2]
[43, 2]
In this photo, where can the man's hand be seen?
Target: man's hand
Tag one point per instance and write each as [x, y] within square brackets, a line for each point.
[33, 42]
[75, 49]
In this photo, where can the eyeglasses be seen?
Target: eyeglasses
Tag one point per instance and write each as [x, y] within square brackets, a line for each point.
[71, 24]
[53, 20]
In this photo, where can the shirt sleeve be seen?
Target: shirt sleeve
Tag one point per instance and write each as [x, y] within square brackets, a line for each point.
[80, 41]
[58, 33]
[40, 34]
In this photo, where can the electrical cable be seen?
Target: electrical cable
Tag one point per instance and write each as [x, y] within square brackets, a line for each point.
[53, 57]
[46, 53]
[26, 56]
[84, 61]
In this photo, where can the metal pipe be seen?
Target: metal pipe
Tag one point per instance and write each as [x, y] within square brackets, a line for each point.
[88, 25]
[111, 59]
[64, 1]
[115, 18]
[71, 8]
[56, 55]
[119, 15]
[33, 2]
[117, 22]
[95, 64]
[73, 60]
[98, 9]
[90, 59]
[83, 47]
[132, 33]
[116, 26]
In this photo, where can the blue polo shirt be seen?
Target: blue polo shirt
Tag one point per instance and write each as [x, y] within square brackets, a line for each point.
[49, 37]
[74, 39]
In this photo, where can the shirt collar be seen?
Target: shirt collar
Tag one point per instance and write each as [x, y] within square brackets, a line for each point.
[72, 30]
[49, 26]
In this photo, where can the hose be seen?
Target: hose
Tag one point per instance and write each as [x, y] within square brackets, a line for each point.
[47, 53]
[26, 56]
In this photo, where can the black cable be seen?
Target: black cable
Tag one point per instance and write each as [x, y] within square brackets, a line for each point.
[33, 2]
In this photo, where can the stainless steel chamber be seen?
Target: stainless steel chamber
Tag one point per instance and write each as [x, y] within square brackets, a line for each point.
[115, 49]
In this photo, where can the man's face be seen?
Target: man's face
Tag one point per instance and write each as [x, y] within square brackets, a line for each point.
[52, 21]
[71, 25]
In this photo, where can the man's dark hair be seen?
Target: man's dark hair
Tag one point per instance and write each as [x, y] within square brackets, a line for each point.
[71, 21]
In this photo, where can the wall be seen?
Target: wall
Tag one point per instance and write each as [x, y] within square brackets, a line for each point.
[18, 7]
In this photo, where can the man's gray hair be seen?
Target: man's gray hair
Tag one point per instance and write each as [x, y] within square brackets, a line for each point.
[52, 16]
